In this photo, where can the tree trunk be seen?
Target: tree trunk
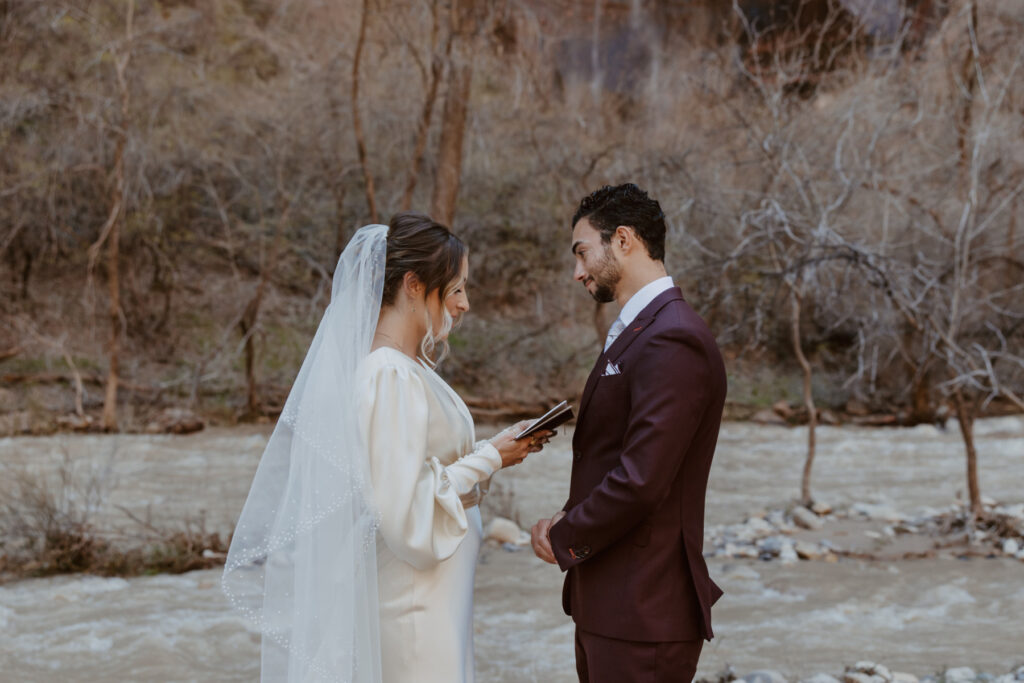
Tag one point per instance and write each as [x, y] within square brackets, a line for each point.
[113, 233]
[965, 416]
[456, 112]
[449, 153]
[431, 85]
[250, 317]
[812, 413]
[921, 409]
[248, 325]
[357, 125]
[114, 289]
[421, 135]
[968, 85]
[26, 275]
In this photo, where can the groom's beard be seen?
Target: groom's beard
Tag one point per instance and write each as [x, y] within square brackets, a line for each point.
[606, 279]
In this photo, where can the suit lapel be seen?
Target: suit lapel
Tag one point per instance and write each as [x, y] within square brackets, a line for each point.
[627, 337]
[622, 342]
[588, 388]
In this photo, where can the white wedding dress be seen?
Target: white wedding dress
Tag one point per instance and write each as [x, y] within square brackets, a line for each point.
[355, 552]
[427, 475]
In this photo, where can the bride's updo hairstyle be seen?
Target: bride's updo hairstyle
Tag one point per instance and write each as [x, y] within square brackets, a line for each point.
[420, 245]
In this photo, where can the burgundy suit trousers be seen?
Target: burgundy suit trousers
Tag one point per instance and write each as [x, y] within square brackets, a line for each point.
[609, 660]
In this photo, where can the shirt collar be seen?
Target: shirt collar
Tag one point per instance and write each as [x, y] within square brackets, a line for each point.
[644, 296]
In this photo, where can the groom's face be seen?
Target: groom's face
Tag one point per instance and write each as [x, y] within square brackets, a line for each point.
[597, 269]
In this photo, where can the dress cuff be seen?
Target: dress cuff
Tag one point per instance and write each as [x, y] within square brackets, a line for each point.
[486, 450]
[472, 468]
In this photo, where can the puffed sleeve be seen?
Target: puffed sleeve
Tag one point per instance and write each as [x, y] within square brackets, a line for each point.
[422, 519]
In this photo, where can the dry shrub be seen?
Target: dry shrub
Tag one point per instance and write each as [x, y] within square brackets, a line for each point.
[46, 523]
[47, 527]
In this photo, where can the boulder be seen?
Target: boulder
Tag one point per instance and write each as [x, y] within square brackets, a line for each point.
[902, 677]
[806, 519]
[506, 531]
[176, 421]
[827, 417]
[764, 676]
[748, 551]
[784, 410]
[1011, 547]
[757, 528]
[960, 674]
[1015, 511]
[788, 554]
[808, 551]
[744, 550]
[767, 417]
[821, 509]
[877, 511]
[820, 678]
[776, 518]
[75, 422]
[873, 669]
[772, 545]
[858, 677]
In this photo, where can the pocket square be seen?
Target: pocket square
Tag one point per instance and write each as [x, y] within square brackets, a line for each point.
[611, 369]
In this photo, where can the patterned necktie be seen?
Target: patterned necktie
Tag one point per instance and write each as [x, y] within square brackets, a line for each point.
[615, 331]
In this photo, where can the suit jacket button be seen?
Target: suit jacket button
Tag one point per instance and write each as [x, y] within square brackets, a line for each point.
[576, 455]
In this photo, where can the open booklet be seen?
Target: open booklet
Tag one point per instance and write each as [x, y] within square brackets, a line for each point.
[558, 415]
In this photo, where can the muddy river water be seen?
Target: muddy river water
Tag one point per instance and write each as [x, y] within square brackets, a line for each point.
[918, 616]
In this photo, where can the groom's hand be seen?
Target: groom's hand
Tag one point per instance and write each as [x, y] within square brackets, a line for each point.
[540, 539]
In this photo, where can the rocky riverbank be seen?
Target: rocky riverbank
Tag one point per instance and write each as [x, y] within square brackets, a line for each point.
[870, 672]
[869, 531]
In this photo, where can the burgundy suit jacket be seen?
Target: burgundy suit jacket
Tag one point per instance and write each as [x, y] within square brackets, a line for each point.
[633, 534]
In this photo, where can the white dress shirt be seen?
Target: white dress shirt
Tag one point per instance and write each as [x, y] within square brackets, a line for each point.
[637, 303]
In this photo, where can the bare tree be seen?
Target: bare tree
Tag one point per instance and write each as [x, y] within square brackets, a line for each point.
[357, 125]
[110, 235]
[431, 83]
[465, 21]
[955, 297]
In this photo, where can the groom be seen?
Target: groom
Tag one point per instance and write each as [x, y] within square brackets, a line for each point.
[630, 536]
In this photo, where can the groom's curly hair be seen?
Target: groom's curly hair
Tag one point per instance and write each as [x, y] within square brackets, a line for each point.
[628, 205]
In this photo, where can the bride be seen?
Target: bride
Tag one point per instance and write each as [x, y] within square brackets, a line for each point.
[355, 553]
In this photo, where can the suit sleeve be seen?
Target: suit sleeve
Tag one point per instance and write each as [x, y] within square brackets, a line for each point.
[668, 389]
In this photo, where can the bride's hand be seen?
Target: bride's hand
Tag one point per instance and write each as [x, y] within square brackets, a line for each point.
[514, 452]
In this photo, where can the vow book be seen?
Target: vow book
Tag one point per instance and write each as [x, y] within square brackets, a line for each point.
[558, 415]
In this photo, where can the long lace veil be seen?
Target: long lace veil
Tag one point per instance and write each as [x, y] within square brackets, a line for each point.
[303, 563]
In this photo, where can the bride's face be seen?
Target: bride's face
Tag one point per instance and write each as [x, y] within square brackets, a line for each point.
[456, 303]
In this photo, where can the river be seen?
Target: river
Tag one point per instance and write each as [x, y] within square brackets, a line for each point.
[917, 616]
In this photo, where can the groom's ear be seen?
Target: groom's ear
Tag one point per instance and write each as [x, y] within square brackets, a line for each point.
[624, 238]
